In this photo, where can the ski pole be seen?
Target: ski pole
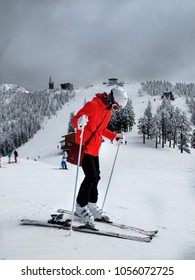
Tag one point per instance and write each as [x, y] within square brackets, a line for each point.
[76, 180]
[119, 142]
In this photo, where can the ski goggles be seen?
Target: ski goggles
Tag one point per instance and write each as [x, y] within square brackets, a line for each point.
[112, 103]
[116, 106]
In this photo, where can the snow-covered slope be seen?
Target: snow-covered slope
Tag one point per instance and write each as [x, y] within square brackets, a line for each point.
[150, 188]
[12, 87]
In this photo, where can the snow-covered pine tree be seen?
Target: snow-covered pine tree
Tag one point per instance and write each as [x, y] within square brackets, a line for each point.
[70, 126]
[22, 113]
[127, 117]
[193, 140]
[176, 125]
[170, 122]
[163, 113]
[192, 119]
[142, 127]
[148, 117]
[130, 114]
[156, 87]
[115, 123]
[183, 133]
[156, 131]
[123, 120]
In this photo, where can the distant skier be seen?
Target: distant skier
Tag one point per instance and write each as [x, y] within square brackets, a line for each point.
[9, 154]
[63, 162]
[15, 156]
[94, 117]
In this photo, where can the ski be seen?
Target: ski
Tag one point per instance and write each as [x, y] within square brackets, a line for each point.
[59, 168]
[65, 225]
[118, 225]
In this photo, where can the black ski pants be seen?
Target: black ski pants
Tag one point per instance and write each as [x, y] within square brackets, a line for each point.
[88, 191]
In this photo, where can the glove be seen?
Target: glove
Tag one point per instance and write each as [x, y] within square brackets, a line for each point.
[119, 136]
[82, 121]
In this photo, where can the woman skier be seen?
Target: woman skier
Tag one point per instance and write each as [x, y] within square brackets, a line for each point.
[94, 117]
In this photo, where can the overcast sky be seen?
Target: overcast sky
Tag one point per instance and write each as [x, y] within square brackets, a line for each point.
[89, 41]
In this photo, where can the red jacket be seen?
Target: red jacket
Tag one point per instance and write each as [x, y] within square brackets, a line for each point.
[97, 112]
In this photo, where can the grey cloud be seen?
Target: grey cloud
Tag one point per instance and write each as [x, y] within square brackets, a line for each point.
[84, 41]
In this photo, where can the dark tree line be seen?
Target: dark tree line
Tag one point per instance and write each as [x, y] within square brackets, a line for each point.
[22, 113]
[158, 87]
[123, 120]
[169, 125]
[193, 140]
[70, 126]
[191, 104]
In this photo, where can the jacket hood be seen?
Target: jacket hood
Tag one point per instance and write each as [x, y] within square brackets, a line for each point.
[103, 97]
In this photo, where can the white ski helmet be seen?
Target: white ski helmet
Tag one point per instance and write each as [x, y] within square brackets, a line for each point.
[117, 97]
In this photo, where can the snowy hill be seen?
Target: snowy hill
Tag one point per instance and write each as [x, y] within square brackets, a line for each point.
[151, 188]
[13, 88]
